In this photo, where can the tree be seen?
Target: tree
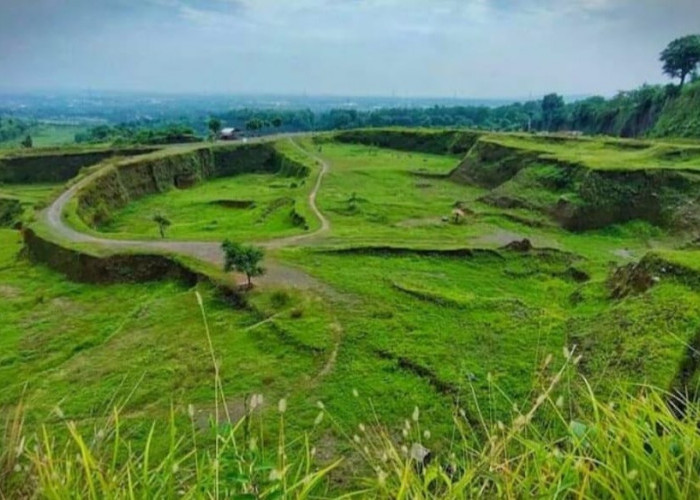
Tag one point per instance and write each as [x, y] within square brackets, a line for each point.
[243, 259]
[681, 57]
[28, 142]
[276, 122]
[552, 111]
[254, 124]
[163, 223]
[214, 127]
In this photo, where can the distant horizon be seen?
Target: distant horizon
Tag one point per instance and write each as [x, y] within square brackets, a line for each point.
[291, 95]
[411, 49]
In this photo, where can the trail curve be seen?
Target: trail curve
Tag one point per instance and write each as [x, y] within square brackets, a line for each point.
[206, 251]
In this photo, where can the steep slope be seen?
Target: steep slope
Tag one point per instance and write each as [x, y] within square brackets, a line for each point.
[680, 116]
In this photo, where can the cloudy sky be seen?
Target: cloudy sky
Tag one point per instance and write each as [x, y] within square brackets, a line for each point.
[467, 48]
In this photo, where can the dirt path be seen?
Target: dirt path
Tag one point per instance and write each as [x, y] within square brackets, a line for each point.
[210, 252]
[325, 223]
[206, 251]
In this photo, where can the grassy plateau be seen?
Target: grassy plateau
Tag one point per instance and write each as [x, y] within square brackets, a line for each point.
[433, 315]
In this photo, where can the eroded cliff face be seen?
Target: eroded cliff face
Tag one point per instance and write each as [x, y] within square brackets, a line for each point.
[457, 142]
[577, 197]
[117, 185]
[42, 167]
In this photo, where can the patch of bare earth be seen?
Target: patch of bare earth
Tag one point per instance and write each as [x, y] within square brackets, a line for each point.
[422, 222]
[502, 237]
[9, 292]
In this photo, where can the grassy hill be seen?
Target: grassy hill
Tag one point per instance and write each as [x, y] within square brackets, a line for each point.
[446, 308]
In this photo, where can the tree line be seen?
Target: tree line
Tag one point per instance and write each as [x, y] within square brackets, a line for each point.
[628, 114]
[137, 133]
[13, 128]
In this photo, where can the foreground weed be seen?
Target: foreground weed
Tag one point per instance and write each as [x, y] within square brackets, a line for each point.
[637, 447]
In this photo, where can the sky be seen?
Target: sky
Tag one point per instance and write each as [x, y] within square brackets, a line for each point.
[406, 48]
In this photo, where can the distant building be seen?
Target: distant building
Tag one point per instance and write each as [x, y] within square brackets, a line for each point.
[228, 134]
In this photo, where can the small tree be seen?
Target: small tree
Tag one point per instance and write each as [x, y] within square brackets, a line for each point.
[28, 142]
[681, 57]
[276, 122]
[214, 127]
[163, 223]
[243, 259]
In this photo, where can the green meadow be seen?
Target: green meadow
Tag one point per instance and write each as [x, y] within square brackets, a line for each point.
[419, 298]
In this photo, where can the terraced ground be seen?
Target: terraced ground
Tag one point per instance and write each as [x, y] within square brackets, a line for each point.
[392, 293]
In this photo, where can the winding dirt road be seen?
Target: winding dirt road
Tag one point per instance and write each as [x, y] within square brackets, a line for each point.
[206, 251]
[210, 252]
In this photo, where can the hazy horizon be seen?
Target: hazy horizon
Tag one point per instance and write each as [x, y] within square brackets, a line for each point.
[470, 49]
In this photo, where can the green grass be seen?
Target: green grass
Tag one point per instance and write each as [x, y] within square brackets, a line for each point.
[243, 207]
[634, 447]
[141, 341]
[29, 194]
[608, 154]
[413, 329]
[197, 214]
[47, 135]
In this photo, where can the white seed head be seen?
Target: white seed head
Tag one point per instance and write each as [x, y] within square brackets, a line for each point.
[419, 452]
[319, 418]
[282, 405]
[190, 410]
[355, 393]
[320, 405]
[560, 402]
[20, 447]
[416, 414]
[426, 434]
[253, 402]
